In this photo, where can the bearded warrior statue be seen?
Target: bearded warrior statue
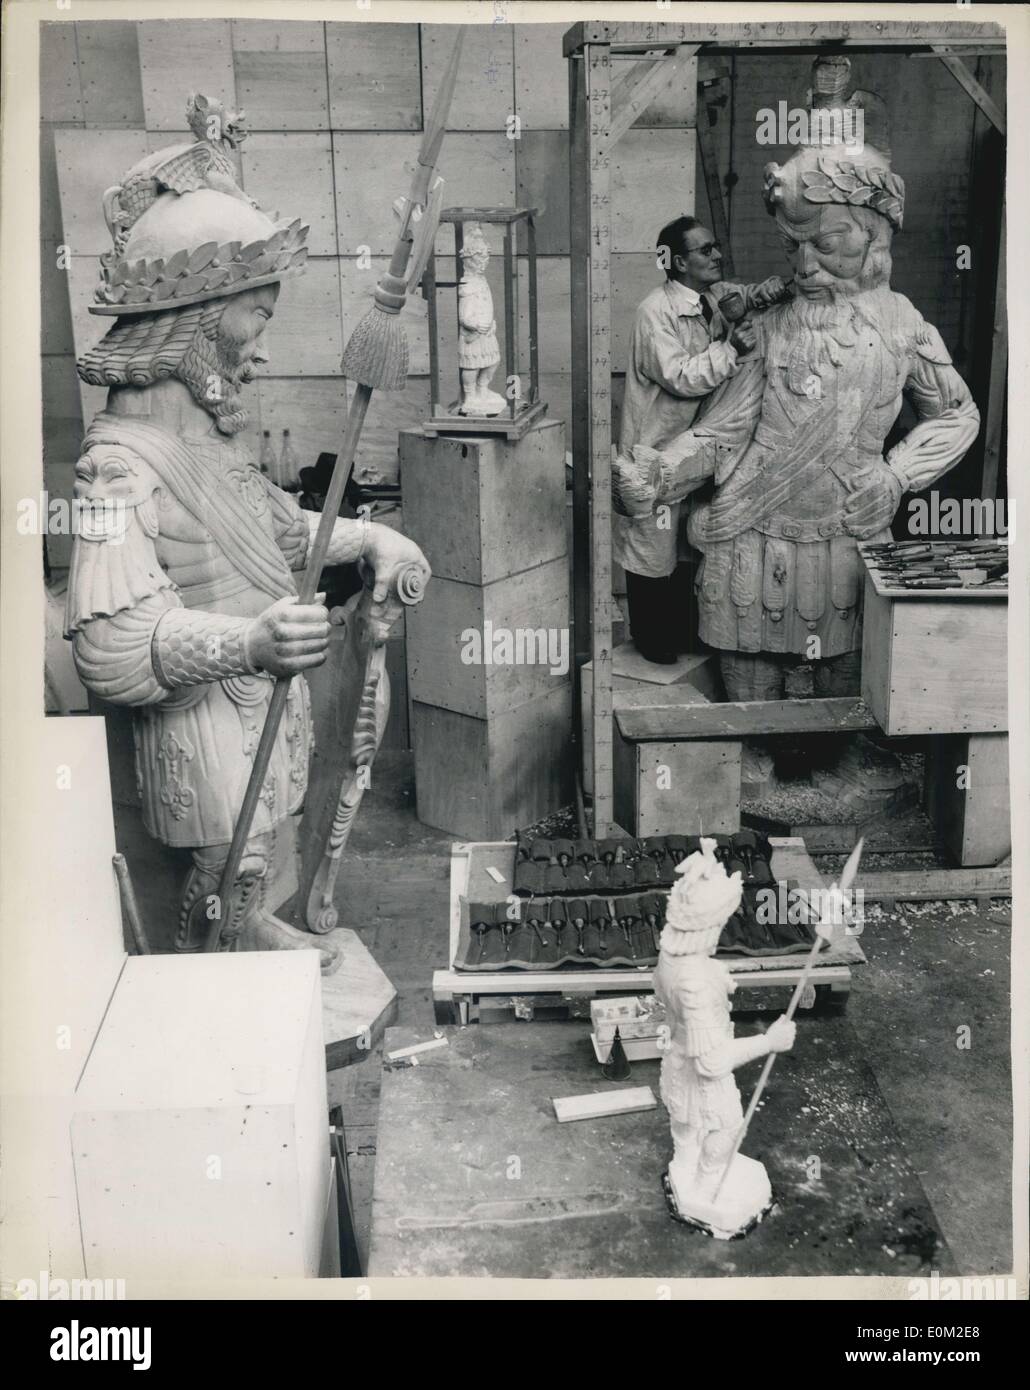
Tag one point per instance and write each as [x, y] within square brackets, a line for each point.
[794, 442]
[181, 599]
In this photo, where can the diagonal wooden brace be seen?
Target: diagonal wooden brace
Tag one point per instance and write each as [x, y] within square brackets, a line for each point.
[969, 84]
[634, 94]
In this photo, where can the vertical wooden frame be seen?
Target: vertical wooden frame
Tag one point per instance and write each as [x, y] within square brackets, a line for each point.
[429, 293]
[510, 313]
[580, 347]
[597, 60]
[534, 353]
[459, 244]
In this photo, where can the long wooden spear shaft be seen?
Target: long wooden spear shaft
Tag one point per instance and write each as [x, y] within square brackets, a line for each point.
[376, 356]
[836, 893]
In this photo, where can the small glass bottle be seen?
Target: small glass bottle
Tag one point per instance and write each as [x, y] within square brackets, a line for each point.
[266, 459]
[289, 474]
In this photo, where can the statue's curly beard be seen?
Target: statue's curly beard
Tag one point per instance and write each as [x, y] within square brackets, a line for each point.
[211, 371]
[190, 345]
[814, 331]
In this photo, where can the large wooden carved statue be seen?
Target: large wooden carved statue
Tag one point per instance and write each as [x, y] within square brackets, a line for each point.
[794, 442]
[181, 600]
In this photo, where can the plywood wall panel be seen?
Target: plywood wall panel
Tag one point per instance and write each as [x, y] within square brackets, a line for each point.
[484, 97]
[109, 68]
[633, 277]
[652, 180]
[62, 410]
[357, 288]
[389, 412]
[56, 325]
[293, 174]
[554, 327]
[181, 56]
[364, 215]
[281, 74]
[542, 182]
[304, 337]
[541, 77]
[556, 393]
[60, 95]
[50, 225]
[314, 410]
[88, 161]
[375, 79]
[478, 169]
[83, 275]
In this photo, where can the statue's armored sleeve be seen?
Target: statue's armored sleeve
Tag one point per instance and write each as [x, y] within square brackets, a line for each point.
[948, 418]
[295, 529]
[133, 641]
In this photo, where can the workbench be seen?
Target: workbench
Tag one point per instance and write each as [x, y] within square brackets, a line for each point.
[763, 982]
[476, 1178]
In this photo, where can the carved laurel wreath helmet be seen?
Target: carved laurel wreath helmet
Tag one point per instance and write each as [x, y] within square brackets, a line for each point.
[183, 230]
[831, 171]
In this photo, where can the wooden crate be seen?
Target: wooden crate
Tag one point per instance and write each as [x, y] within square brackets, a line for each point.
[670, 788]
[937, 664]
[492, 776]
[972, 819]
[763, 982]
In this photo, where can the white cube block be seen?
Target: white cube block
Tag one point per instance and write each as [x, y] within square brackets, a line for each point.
[200, 1134]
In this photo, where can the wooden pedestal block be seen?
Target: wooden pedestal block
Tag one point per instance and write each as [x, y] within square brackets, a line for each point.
[972, 819]
[63, 961]
[483, 778]
[485, 650]
[641, 684]
[200, 1134]
[482, 507]
[677, 788]
[935, 665]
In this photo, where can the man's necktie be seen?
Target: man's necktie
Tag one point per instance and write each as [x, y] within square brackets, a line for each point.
[706, 310]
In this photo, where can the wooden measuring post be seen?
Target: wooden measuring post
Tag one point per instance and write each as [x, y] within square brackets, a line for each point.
[598, 404]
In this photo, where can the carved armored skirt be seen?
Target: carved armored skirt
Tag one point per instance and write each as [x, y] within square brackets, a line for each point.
[772, 593]
[194, 757]
[478, 350]
[703, 1102]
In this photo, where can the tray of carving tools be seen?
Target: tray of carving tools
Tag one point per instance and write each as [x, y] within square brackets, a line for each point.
[938, 569]
[602, 903]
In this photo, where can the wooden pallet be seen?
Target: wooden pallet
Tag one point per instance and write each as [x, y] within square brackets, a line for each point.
[763, 982]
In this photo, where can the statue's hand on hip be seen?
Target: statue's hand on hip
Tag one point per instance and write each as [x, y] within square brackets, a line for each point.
[871, 507]
[288, 636]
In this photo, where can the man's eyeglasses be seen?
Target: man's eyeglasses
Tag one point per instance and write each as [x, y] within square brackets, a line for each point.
[706, 249]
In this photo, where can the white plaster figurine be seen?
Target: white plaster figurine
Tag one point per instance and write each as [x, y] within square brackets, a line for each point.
[478, 352]
[697, 1084]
